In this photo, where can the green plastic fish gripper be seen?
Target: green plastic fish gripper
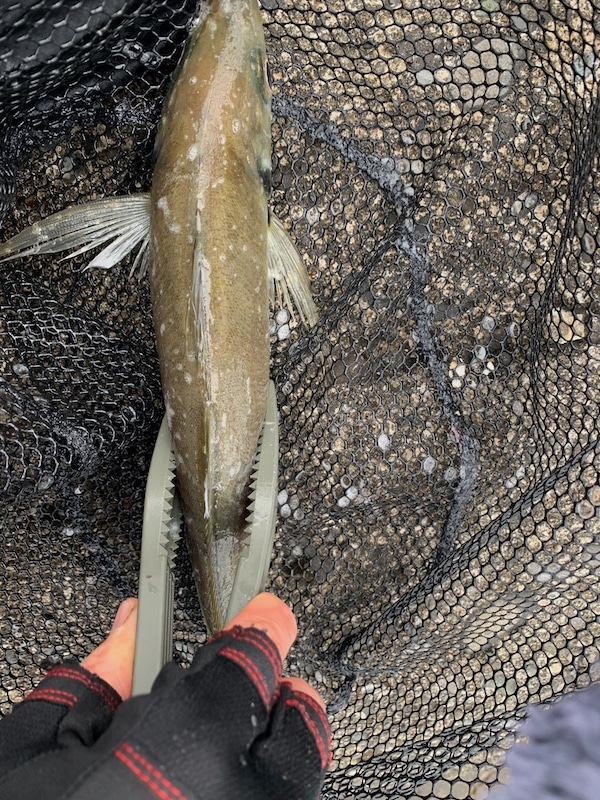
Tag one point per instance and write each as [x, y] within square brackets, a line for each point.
[156, 592]
[255, 558]
[161, 534]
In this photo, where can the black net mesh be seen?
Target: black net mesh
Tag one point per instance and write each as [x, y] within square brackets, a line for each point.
[439, 499]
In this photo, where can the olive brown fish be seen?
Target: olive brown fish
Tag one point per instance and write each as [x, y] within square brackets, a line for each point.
[216, 256]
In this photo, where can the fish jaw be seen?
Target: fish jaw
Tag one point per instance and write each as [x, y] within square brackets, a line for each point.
[208, 271]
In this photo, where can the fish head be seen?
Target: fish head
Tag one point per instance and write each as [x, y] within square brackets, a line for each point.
[244, 49]
[222, 84]
[233, 30]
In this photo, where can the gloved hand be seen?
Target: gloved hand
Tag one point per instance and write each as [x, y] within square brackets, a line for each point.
[228, 727]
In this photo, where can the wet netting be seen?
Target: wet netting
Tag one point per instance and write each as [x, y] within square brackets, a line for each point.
[439, 502]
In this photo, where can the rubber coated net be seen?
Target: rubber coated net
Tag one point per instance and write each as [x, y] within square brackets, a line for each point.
[439, 505]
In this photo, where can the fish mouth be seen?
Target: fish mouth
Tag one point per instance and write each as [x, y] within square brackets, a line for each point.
[215, 544]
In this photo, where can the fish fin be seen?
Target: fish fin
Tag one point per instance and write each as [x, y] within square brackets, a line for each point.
[198, 303]
[288, 280]
[123, 222]
[213, 614]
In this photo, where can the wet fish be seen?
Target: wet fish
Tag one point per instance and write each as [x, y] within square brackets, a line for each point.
[216, 256]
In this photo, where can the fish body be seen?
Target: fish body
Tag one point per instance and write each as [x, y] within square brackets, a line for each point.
[209, 284]
[216, 257]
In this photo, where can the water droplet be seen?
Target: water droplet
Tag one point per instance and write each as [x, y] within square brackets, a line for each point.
[383, 442]
[429, 464]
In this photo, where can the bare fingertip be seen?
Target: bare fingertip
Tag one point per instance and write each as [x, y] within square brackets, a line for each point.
[271, 615]
[124, 612]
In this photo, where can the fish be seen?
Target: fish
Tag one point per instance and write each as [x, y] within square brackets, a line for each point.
[216, 257]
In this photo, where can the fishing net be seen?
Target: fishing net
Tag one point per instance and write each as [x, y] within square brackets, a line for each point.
[437, 165]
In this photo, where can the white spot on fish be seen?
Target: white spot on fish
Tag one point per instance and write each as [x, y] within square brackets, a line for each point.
[206, 506]
[163, 204]
[193, 80]
[192, 152]
[187, 377]
[170, 413]
[235, 125]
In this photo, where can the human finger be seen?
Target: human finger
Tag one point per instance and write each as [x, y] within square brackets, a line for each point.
[113, 659]
[270, 615]
[296, 750]
[297, 685]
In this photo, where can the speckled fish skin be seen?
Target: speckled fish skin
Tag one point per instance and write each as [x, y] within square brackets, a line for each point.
[208, 257]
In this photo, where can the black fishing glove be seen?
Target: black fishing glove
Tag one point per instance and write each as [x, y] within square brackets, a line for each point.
[228, 728]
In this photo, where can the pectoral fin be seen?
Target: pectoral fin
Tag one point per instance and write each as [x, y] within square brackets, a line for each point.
[123, 222]
[288, 280]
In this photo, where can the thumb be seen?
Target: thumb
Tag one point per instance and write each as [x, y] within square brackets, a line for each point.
[113, 659]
